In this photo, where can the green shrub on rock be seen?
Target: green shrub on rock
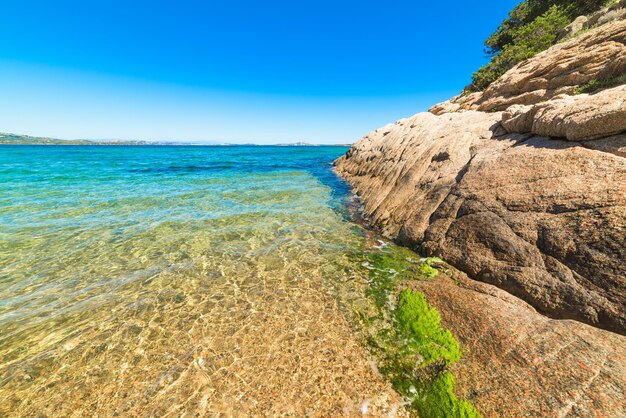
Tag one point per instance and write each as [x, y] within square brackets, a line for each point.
[527, 41]
[527, 11]
[606, 83]
[532, 27]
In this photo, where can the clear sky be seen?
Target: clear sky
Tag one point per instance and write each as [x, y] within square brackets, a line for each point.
[233, 71]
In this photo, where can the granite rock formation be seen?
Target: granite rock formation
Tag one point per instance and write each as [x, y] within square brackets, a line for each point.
[597, 54]
[522, 187]
[539, 217]
[562, 69]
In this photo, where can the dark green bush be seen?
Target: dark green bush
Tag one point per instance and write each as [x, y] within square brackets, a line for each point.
[532, 26]
[527, 11]
[527, 41]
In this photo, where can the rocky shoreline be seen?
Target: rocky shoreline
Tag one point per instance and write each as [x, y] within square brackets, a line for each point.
[522, 188]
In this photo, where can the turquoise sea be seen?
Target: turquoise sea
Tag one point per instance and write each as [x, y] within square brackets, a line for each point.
[178, 281]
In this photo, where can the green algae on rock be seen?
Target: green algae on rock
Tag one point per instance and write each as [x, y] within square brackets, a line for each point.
[426, 268]
[413, 350]
[420, 325]
[388, 268]
[416, 354]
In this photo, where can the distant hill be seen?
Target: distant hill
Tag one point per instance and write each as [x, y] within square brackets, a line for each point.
[6, 138]
[15, 139]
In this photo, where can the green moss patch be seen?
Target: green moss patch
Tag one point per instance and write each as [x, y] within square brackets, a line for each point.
[415, 353]
[438, 400]
[419, 352]
[419, 325]
[412, 348]
[426, 268]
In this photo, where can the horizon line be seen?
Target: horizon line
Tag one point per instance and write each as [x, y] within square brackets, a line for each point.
[113, 141]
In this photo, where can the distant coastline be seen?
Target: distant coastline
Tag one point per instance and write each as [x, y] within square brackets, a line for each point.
[16, 139]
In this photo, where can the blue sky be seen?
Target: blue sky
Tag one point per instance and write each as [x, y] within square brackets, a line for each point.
[233, 71]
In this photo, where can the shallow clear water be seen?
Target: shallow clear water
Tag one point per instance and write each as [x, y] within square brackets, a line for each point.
[178, 281]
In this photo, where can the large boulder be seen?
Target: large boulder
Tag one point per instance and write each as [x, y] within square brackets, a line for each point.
[550, 368]
[544, 219]
[562, 69]
[573, 28]
[575, 118]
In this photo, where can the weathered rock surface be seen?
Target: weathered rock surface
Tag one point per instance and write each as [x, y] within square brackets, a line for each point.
[562, 69]
[449, 106]
[518, 363]
[531, 202]
[608, 14]
[614, 145]
[541, 218]
[573, 28]
[458, 103]
[573, 117]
